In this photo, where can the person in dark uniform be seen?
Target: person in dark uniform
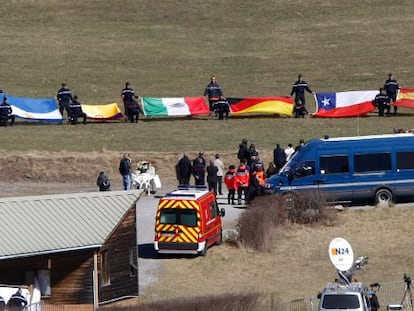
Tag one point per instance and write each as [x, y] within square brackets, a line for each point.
[199, 170]
[76, 111]
[103, 182]
[17, 301]
[213, 92]
[64, 97]
[183, 170]
[300, 109]
[299, 88]
[243, 153]
[382, 102]
[132, 108]
[212, 177]
[391, 88]
[2, 301]
[128, 97]
[6, 113]
[279, 157]
[222, 107]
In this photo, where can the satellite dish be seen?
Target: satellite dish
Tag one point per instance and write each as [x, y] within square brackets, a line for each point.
[341, 254]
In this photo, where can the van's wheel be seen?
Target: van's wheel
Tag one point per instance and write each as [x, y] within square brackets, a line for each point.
[383, 196]
[220, 240]
[204, 251]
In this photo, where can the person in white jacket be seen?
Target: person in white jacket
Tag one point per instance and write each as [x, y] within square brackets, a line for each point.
[289, 151]
[220, 173]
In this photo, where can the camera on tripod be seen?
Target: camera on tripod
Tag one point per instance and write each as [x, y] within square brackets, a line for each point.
[407, 280]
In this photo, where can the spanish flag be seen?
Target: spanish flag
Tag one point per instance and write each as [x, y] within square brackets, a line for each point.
[405, 98]
[261, 105]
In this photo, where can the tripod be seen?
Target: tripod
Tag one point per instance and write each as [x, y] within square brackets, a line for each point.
[408, 295]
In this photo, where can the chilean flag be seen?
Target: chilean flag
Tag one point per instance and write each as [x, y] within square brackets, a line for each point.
[344, 104]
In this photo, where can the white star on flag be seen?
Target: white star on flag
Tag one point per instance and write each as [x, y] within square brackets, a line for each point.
[326, 101]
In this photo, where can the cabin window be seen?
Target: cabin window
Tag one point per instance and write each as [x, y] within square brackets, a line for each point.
[372, 162]
[334, 164]
[133, 255]
[105, 277]
[405, 160]
[176, 216]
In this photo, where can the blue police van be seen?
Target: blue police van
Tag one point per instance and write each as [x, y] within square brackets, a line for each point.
[376, 168]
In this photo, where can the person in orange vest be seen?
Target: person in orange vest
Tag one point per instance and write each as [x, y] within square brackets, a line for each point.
[242, 181]
[230, 182]
[257, 182]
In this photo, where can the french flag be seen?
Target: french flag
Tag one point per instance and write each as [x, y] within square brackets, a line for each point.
[344, 104]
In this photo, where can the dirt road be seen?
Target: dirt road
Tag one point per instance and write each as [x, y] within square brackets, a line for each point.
[149, 264]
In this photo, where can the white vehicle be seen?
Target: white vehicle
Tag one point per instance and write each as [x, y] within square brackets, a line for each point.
[145, 178]
[344, 294]
[353, 296]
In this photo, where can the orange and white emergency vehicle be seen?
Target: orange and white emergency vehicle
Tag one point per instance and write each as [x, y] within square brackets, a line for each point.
[188, 221]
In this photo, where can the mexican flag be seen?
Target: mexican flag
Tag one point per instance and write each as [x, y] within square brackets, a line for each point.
[173, 106]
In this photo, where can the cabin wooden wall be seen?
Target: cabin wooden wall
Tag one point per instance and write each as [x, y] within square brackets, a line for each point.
[123, 277]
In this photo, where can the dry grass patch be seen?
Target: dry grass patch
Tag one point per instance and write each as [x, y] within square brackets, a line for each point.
[297, 264]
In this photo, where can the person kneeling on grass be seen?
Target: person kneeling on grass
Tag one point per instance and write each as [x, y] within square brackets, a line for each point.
[6, 113]
[134, 109]
[76, 111]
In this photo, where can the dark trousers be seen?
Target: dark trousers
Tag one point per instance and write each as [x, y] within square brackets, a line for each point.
[219, 184]
[184, 180]
[4, 121]
[74, 118]
[200, 179]
[212, 186]
[381, 109]
[64, 106]
[240, 192]
[231, 196]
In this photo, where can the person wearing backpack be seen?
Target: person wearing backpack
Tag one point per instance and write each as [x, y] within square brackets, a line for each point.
[103, 182]
[125, 171]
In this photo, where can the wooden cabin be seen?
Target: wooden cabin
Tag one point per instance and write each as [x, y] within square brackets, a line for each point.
[79, 250]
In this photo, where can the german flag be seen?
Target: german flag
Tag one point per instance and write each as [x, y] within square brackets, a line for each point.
[405, 98]
[261, 105]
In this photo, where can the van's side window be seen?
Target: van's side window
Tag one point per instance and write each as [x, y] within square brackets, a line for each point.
[405, 160]
[306, 168]
[213, 210]
[334, 164]
[372, 162]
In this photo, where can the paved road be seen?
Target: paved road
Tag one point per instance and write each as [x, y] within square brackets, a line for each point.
[149, 265]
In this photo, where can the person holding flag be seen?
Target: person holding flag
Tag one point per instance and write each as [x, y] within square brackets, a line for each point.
[213, 92]
[391, 88]
[299, 87]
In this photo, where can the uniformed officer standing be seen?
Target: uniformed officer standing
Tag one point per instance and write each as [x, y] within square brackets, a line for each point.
[382, 102]
[299, 88]
[128, 97]
[64, 97]
[391, 88]
[213, 92]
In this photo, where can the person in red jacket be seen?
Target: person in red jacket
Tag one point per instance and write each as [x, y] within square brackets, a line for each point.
[242, 181]
[230, 182]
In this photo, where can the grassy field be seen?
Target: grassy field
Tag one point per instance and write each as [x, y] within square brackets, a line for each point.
[170, 48]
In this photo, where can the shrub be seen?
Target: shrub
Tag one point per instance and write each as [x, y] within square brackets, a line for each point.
[307, 207]
[258, 222]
